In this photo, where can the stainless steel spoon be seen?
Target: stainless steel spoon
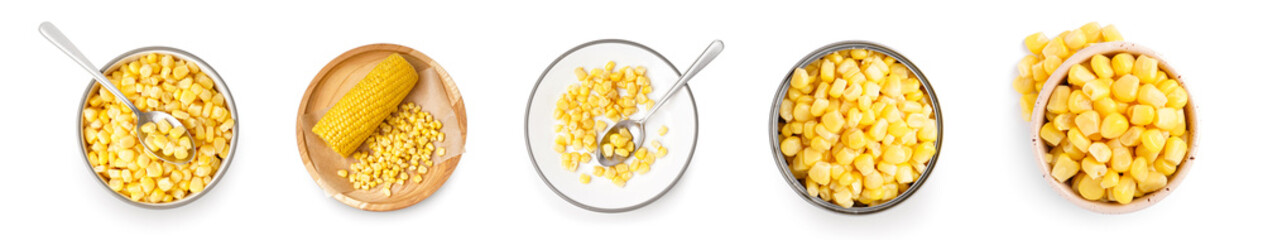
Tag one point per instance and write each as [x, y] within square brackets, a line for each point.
[58, 39]
[636, 127]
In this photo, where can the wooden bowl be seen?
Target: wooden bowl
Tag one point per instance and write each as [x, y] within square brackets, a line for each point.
[1038, 119]
[435, 92]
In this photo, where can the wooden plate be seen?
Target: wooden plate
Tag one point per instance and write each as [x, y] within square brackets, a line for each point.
[1038, 120]
[435, 92]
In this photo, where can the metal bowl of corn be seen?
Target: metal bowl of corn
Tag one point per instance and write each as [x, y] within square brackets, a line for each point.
[777, 122]
[87, 148]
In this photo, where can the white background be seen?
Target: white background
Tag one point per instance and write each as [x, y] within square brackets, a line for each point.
[986, 184]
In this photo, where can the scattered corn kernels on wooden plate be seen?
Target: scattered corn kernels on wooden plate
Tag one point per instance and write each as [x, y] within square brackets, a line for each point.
[435, 92]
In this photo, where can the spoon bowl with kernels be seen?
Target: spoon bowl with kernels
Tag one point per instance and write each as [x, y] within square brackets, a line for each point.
[160, 134]
[620, 140]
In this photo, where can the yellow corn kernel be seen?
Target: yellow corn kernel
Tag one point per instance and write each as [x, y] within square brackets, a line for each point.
[1109, 180]
[789, 146]
[1097, 89]
[1125, 190]
[165, 184]
[621, 168]
[599, 170]
[1165, 167]
[580, 73]
[896, 155]
[826, 71]
[1090, 189]
[923, 152]
[1050, 64]
[662, 131]
[1110, 34]
[585, 178]
[811, 156]
[1107, 105]
[865, 164]
[1024, 84]
[1039, 75]
[1142, 151]
[1080, 75]
[1076, 40]
[928, 133]
[1064, 168]
[1166, 85]
[1165, 119]
[1078, 102]
[802, 110]
[1063, 122]
[1175, 150]
[878, 130]
[1139, 168]
[1146, 69]
[1152, 140]
[1122, 159]
[643, 168]
[1113, 126]
[354, 117]
[799, 80]
[820, 144]
[1148, 94]
[607, 150]
[1142, 115]
[1154, 182]
[1036, 42]
[832, 120]
[818, 107]
[1092, 31]
[1102, 67]
[1181, 124]
[845, 156]
[855, 139]
[1088, 122]
[1093, 168]
[1100, 152]
[1056, 48]
[1123, 63]
[819, 172]
[1078, 140]
[904, 174]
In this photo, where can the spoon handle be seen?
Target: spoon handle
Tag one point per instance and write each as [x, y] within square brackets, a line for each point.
[708, 55]
[58, 39]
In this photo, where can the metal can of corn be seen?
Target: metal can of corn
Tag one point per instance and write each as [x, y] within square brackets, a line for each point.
[220, 86]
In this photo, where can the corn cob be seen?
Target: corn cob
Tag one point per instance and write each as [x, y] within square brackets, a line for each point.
[356, 115]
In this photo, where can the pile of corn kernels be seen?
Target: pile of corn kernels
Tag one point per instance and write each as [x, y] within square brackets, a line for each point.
[157, 82]
[168, 140]
[1047, 55]
[614, 95]
[403, 148]
[858, 129]
[1116, 125]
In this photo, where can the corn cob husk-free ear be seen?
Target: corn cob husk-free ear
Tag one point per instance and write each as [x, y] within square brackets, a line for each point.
[356, 115]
